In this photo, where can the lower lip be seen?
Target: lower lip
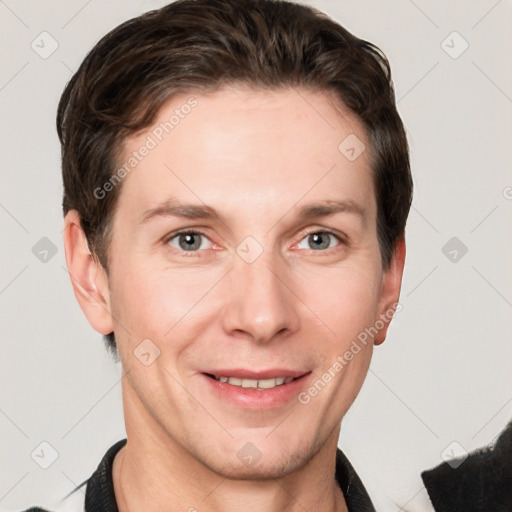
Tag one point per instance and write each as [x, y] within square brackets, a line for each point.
[257, 399]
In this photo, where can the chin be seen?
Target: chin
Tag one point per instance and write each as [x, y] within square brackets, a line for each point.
[269, 463]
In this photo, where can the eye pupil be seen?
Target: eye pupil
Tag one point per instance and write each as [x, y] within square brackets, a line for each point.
[188, 239]
[318, 243]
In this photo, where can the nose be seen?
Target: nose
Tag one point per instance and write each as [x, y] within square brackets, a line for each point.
[260, 303]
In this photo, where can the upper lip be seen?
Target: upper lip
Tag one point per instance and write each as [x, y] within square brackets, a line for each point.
[257, 375]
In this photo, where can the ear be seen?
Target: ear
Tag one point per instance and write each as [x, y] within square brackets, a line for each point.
[390, 291]
[88, 277]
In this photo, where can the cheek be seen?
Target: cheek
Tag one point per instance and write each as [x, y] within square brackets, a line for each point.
[349, 307]
[152, 304]
[345, 300]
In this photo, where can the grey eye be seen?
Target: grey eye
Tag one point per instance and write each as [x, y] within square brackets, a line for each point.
[319, 240]
[190, 242]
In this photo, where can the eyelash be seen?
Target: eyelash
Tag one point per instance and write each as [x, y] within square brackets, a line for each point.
[176, 234]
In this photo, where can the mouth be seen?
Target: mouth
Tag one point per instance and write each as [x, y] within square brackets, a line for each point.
[248, 390]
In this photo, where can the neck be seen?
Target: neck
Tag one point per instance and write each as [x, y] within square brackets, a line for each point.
[153, 472]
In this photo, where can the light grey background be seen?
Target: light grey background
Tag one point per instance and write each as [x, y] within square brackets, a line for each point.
[444, 373]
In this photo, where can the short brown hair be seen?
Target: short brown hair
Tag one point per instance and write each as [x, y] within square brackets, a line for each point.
[202, 45]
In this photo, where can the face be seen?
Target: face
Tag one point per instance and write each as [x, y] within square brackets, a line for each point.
[244, 263]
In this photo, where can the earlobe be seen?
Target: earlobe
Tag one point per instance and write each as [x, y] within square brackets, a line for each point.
[88, 277]
[390, 291]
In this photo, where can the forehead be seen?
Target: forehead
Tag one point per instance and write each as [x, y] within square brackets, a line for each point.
[240, 147]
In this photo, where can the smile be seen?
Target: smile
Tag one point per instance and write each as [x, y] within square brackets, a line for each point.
[256, 390]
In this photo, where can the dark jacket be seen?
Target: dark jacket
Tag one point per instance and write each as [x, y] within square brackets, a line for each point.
[482, 482]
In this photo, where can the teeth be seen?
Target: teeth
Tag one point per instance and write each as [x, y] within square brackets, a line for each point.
[255, 384]
[267, 383]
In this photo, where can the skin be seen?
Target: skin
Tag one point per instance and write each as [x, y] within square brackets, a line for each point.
[256, 157]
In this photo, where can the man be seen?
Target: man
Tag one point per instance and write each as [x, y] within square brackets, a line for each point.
[236, 188]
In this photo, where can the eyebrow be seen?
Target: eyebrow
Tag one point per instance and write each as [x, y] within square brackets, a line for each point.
[173, 208]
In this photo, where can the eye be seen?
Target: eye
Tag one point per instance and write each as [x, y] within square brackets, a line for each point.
[319, 240]
[189, 241]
